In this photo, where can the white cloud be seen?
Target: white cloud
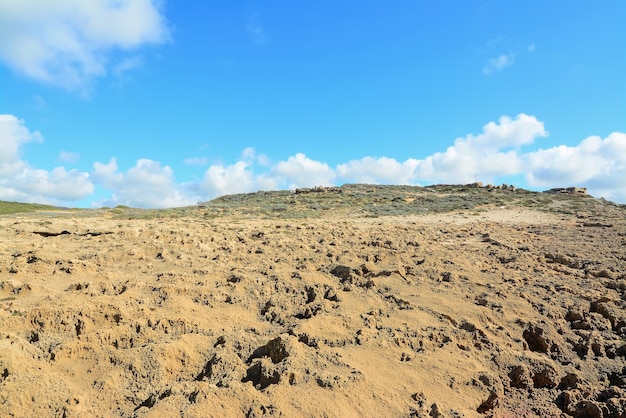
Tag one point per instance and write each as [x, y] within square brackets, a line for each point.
[301, 171]
[263, 160]
[596, 163]
[236, 178]
[70, 43]
[19, 181]
[378, 170]
[69, 157]
[499, 63]
[56, 185]
[13, 134]
[146, 185]
[599, 164]
[491, 154]
[531, 47]
[107, 174]
[250, 154]
[241, 177]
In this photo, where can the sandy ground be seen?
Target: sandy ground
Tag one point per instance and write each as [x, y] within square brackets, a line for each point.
[504, 313]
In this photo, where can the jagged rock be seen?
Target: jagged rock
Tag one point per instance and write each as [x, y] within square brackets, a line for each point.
[569, 381]
[520, 377]
[537, 339]
[343, 272]
[490, 403]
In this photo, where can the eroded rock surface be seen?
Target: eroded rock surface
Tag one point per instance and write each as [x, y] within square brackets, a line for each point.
[503, 313]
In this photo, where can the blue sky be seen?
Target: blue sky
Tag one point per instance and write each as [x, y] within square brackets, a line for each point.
[163, 103]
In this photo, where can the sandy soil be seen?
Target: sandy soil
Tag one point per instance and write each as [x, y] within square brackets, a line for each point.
[504, 313]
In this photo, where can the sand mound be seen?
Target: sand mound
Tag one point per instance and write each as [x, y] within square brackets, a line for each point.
[506, 312]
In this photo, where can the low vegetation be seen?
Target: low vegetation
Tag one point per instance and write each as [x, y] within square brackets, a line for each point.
[354, 200]
[7, 208]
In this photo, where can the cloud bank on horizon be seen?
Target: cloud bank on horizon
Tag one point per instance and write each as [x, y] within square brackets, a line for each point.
[497, 152]
[73, 45]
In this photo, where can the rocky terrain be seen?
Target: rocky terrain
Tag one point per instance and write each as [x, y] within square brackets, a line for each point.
[361, 300]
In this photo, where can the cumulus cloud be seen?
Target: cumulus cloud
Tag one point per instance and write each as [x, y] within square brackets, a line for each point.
[301, 171]
[21, 182]
[13, 134]
[70, 43]
[226, 179]
[243, 176]
[596, 163]
[499, 63]
[146, 185]
[378, 170]
[57, 185]
[491, 154]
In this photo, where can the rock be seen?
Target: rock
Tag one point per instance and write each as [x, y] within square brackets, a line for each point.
[569, 381]
[587, 409]
[570, 190]
[545, 378]
[536, 338]
[603, 308]
[262, 374]
[434, 411]
[277, 349]
[488, 404]
[618, 379]
[520, 377]
[343, 272]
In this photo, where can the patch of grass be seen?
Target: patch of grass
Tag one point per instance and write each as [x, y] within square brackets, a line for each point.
[8, 208]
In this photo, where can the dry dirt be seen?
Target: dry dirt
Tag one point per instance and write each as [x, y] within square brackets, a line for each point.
[508, 311]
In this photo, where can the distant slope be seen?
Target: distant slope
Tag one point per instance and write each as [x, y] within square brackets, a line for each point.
[7, 208]
[359, 200]
[364, 200]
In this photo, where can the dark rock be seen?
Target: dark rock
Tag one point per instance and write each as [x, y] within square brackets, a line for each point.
[261, 375]
[587, 409]
[434, 411]
[490, 403]
[569, 381]
[535, 337]
[343, 272]
[545, 378]
[618, 379]
[520, 377]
